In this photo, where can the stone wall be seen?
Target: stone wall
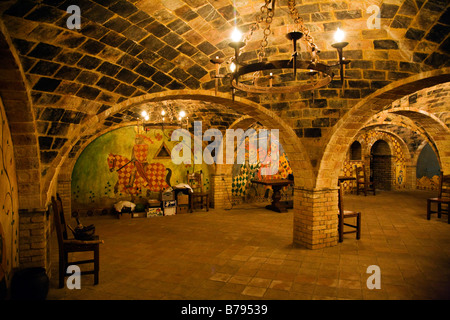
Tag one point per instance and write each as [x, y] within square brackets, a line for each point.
[315, 218]
[35, 239]
[9, 202]
[221, 191]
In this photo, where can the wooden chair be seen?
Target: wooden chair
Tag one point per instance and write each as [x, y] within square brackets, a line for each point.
[195, 181]
[345, 214]
[67, 246]
[442, 200]
[362, 182]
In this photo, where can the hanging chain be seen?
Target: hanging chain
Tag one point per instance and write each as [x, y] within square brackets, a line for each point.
[301, 27]
[267, 17]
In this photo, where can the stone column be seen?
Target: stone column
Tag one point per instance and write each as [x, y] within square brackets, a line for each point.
[34, 238]
[221, 190]
[315, 218]
[411, 177]
[65, 192]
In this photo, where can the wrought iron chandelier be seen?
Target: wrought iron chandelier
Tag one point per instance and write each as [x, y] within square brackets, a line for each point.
[315, 74]
[164, 118]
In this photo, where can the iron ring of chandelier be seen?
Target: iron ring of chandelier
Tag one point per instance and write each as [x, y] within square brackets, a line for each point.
[325, 70]
[239, 68]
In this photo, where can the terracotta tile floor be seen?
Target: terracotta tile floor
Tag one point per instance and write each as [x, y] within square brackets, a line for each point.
[247, 253]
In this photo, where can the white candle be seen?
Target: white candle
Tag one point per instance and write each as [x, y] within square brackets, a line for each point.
[339, 35]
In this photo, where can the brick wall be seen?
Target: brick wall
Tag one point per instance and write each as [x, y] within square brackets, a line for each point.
[220, 190]
[315, 218]
[65, 190]
[383, 171]
[34, 239]
[411, 178]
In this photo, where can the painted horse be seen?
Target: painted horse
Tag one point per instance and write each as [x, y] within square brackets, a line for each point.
[134, 175]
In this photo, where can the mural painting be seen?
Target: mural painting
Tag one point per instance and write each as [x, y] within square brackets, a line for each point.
[243, 190]
[9, 199]
[127, 164]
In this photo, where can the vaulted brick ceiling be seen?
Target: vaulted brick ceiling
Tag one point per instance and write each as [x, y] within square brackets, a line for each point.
[127, 49]
[413, 139]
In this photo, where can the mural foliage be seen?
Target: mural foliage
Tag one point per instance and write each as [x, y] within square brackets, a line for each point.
[127, 164]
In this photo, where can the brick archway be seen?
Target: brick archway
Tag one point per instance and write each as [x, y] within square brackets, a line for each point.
[304, 229]
[300, 162]
[64, 175]
[17, 103]
[255, 113]
[401, 155]
[437, 133]
[349, 125]
[33, 223]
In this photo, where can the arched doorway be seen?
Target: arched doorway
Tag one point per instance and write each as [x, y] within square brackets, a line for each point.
[427, 169]
[381, 169]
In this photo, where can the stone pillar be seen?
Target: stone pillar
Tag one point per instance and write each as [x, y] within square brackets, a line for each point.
[315, 218]
[65, 192]
[221, 191]
[34, 239]
[411, 177]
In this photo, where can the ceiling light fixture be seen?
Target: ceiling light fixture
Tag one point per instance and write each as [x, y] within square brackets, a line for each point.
[265, 72]
[151, 119]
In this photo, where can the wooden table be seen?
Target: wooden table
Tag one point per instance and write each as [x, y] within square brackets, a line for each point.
[276, 185]
[343, 178]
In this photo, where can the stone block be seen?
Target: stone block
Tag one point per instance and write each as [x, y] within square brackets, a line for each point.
[46, 84]
[414, 34]
[45, 51]
[88, 92]
[107, 83]
[385, 44]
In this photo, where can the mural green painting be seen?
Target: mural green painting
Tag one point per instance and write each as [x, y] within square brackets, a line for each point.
[125, 164]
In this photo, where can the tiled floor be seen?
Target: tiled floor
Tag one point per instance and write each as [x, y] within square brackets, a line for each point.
[247, 253]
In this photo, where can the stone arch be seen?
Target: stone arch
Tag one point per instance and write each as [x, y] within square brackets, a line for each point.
[378, 141]
[436, 132]
[300, 162]
[402, 143]
[400, 121]
[242, 123]
[349, 125]
[16, 99]
[288, 138]
[254, 113]
[66, 170]
[419, 151]
[402, 159]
